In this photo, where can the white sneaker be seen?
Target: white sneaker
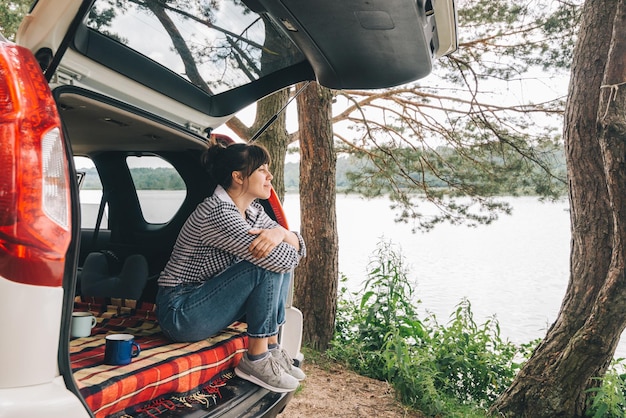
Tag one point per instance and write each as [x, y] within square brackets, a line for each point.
[267, 373]
[281, 355]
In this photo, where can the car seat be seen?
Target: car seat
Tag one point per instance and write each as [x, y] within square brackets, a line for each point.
[100, 278]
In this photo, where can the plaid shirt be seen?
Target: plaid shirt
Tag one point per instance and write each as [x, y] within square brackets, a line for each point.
[216, 236]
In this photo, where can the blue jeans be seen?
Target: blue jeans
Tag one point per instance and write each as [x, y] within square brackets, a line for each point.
[192, 312]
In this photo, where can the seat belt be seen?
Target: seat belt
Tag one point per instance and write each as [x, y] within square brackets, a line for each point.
[96, 230]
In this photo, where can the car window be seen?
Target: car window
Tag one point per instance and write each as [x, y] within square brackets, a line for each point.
[215, 45]
[160, 189]
[90, 194]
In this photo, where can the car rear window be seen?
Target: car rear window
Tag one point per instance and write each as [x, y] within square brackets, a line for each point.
[90, 195]
[216, 45]
[160, 189]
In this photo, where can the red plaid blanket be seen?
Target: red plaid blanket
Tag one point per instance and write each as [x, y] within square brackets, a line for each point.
[161, 368]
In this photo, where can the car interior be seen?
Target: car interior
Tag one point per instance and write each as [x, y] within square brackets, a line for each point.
[123, 248]
[120, 256]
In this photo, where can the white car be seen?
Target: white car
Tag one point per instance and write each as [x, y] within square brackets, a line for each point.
[102, 100]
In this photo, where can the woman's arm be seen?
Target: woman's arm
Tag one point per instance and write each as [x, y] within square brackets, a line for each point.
[226, 230]
[268, 239]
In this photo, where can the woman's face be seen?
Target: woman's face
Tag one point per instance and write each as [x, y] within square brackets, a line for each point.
[259, 183]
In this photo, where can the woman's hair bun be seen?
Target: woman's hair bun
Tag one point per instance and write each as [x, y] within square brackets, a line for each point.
[211, 158]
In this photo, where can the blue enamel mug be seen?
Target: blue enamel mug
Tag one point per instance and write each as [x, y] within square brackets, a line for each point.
[120, 349]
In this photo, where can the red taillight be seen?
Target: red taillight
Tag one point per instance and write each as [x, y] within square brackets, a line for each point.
[35, 228]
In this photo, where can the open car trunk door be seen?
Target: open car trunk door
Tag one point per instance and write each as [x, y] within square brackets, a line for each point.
[198, 63]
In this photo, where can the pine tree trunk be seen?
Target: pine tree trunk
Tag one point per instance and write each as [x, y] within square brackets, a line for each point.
[275, 138]
[317, 275]
[580, 344]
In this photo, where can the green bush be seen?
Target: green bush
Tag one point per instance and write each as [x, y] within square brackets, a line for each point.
[438, 369]
[474, 364]
[609, 400]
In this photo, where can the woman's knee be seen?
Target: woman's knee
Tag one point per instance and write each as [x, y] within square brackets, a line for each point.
[262, 275]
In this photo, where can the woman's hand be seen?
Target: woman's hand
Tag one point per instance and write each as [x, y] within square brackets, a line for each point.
[266, 240]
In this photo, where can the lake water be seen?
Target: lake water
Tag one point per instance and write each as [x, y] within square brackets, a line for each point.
[515, 269]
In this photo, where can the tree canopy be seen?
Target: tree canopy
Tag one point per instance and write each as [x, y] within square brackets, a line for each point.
[11, 14]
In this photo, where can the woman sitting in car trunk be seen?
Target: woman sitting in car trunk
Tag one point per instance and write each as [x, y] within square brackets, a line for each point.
[232, 260]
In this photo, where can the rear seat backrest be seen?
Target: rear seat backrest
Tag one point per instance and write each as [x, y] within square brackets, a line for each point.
[97, 278]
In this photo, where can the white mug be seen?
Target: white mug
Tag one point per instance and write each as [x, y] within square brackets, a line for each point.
[82, 323]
